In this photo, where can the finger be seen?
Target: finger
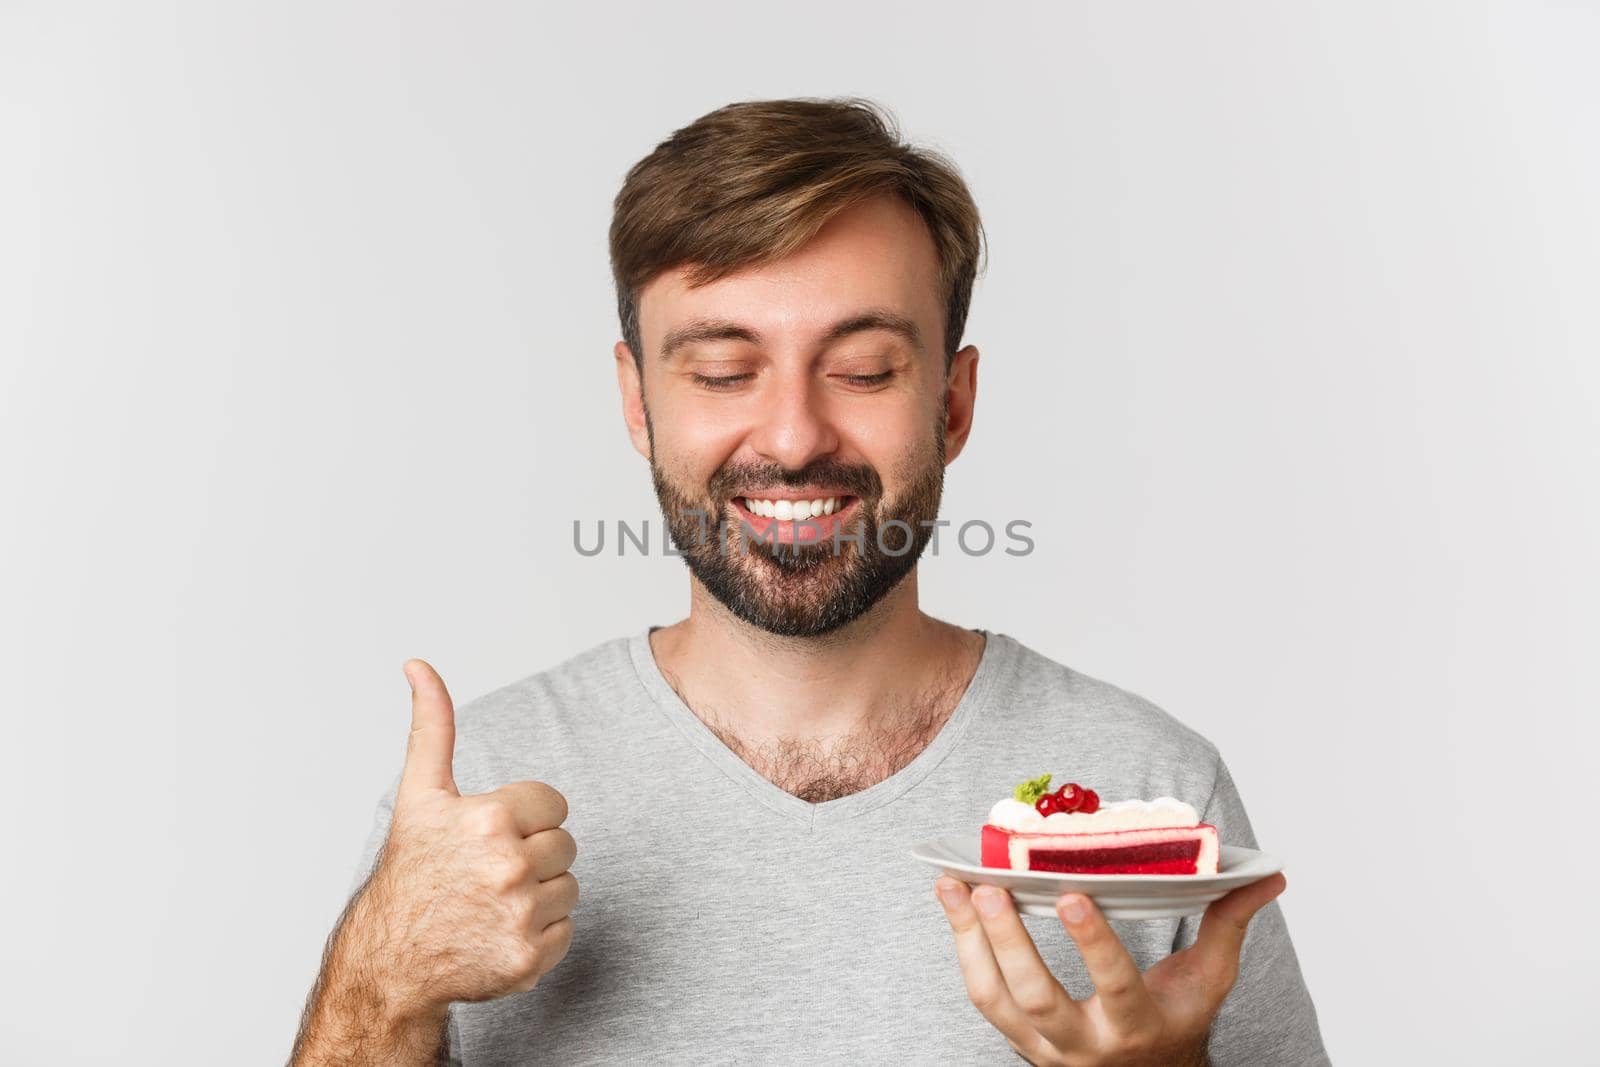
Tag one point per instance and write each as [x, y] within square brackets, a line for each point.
[430, 748]
[1120, 987]
[986, 986]
[534, 805]
[551, 852]
[1043, 1001]
[557, 898]
[554, 941]
[1223, 927]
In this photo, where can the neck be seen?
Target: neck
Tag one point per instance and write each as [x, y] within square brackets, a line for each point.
[821, 688]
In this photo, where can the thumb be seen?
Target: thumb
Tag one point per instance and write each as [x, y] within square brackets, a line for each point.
[1223, 928]
[432, 744]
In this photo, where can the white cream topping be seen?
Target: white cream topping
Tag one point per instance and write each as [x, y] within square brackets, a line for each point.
[793, 509]
[1013, 814]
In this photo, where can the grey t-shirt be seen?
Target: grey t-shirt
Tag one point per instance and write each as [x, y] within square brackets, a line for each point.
[723, 920]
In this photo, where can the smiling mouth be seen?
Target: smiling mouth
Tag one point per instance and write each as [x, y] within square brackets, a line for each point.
[788, 520]
[798, 510]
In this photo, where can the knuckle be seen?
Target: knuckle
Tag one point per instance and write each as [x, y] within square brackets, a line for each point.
[985, 995]
[508, 871]
[1188, 970]
[489, 818]
[1004, 937]
[1119, 986]
[1094, 939]
[964, 925]
[1035, 1002]
[517, 917]
[525, 959]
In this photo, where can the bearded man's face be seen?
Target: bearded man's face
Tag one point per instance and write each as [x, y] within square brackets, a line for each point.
[802, 577]
[798, 418]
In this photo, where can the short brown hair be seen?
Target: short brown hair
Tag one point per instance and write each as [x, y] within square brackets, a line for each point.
[751, 182]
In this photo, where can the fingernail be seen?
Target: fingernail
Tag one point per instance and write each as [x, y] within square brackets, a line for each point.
[948, 892]
[989, 901]
[1072, 908]
[405, 670]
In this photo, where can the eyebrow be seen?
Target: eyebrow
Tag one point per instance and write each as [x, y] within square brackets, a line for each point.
[698, 331]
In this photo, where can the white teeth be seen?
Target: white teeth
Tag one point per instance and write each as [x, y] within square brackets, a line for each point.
[797, 510]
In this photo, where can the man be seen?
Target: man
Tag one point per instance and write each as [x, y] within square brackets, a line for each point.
[737, 792]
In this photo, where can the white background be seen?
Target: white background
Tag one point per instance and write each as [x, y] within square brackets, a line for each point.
[1289, 343]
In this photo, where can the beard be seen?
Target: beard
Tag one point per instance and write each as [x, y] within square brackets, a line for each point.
[796, 589]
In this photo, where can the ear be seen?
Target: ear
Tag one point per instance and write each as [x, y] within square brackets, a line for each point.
[632, 389]
[961, 393]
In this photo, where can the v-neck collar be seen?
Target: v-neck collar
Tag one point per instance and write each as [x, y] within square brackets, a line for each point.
[999, 651]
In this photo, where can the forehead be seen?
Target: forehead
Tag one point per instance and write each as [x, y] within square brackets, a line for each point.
[875, 255]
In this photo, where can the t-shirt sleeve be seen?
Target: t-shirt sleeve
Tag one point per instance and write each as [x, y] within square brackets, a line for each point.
[1268, 1017]
[450, 1053]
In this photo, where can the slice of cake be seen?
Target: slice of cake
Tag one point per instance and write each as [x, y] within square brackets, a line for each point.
[1069, 831]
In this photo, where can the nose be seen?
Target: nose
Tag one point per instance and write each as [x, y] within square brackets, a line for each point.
[794, 427]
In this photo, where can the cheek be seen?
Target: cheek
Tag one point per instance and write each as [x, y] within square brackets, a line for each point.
[692, 454]
[890, 438]
[691, 436]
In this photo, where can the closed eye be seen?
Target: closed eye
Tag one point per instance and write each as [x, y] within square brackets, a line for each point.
[868, 379]
[719, 381]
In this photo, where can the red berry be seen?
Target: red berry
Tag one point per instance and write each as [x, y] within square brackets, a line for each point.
[1047, 804]
[1069, 797]
[1091, 802]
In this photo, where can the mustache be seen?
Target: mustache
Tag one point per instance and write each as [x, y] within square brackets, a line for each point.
[855, 479]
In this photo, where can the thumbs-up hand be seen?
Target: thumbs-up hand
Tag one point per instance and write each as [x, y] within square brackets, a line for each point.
[471, 897]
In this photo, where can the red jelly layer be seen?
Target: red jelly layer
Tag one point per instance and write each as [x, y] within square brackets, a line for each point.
[1168, 857]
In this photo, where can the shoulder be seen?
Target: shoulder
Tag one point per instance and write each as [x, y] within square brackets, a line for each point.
[597, 668]
[1109, 724]
[494, 730]
[603, 664]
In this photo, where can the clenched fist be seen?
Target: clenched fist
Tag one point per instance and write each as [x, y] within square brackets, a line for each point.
[472, 895]
[470, 900]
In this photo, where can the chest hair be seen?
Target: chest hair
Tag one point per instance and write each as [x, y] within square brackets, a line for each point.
[885, 741]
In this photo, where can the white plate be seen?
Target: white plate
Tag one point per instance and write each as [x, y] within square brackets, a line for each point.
[1118, 896]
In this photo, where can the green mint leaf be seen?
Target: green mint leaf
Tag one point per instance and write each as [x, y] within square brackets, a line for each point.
[1030, 791]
